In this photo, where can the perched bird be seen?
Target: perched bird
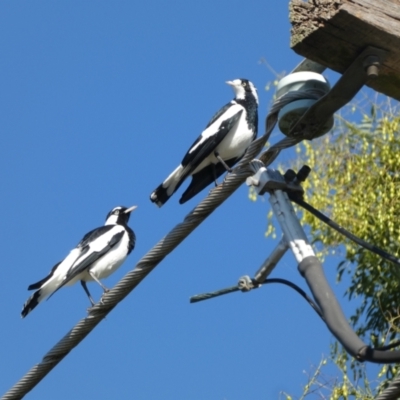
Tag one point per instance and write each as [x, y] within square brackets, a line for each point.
[222, 144]
[98, 255]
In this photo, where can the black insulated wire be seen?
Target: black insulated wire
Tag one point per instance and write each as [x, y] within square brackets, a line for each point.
[150, 260]
[328, 309]
[299, 290]
[374, 249]
[317, 309]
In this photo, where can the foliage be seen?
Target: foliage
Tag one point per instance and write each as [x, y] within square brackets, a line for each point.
[340, 387]
[355, 180]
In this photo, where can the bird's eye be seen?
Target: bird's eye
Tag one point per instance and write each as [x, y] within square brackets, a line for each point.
[244, 84]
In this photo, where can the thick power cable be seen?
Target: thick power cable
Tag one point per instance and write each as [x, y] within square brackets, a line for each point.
[311, 270]
[129, 282]
[392, 392]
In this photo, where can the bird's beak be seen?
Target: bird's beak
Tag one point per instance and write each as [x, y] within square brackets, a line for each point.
[130, 209]
[230, 83]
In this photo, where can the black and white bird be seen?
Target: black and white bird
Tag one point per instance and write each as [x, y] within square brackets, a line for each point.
[98, 255]
[222, 144]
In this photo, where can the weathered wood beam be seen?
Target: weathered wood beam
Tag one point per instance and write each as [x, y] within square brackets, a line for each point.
[334, 32]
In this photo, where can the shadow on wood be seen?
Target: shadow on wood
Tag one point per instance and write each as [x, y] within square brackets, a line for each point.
[334, 32]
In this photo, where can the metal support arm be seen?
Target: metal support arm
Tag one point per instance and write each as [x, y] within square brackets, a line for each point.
[310, 267]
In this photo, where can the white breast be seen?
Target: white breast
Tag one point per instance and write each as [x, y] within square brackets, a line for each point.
[111, 261]
[234, 144]
[108, 263]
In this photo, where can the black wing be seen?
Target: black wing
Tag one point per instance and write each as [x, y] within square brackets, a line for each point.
[212, 120]
[39, 284]
[203, 178]
[94, 234]
[88, 257]
[195, 157]
[219, 113]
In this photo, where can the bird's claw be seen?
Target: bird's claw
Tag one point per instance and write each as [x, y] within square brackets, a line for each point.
[90, 309]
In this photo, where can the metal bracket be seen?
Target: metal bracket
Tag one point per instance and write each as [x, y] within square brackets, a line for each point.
[309, 65]
[246, 284]
[271, 262]
[364, 67]
[267, 180]
[294, 238]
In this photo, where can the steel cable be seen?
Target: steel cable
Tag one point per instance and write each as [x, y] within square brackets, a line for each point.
[322, 217]
[392, 392]
[150, 260]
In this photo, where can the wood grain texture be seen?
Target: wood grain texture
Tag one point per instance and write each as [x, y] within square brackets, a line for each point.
[334, 32]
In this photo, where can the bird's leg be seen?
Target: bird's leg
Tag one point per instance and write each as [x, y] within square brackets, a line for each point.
[83, 283]
[215, 175]
[219, 158]
[95, 278]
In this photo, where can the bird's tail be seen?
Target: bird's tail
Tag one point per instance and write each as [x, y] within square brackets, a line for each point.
[46, 287]
[32, 302]
[163, 192]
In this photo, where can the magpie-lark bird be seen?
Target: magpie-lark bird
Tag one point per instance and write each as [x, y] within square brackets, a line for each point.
[98, 255]
[222, 144]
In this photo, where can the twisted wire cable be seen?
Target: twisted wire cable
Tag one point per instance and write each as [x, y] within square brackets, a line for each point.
[150, 260]
[298, 289]
[210, 295]
[392, 392]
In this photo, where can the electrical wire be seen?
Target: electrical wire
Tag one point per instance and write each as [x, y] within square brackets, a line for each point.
[165, 246]
[392, 392]
[211, 295]
[129, 282]
[298, 289]
[343, 231]
[311, 302]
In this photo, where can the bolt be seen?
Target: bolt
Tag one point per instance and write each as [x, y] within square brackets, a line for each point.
[373, 71]
[371, 64]
[290, 175]
[303, 173]
[251, 181]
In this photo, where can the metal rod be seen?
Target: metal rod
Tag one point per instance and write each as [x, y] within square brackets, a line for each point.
[270, 263]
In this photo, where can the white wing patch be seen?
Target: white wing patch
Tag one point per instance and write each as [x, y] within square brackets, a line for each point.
[97, 245]
[215, 126]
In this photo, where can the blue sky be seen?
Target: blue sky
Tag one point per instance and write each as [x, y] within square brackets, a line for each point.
[99, 102]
